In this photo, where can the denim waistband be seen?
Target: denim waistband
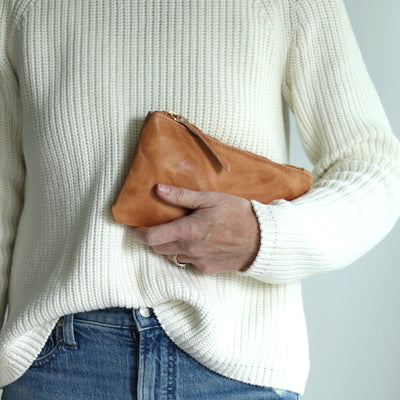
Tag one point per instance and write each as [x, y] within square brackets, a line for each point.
[116, 316]
[119, 317]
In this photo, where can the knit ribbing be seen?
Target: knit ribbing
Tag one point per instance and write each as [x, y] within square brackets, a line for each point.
[77, 80]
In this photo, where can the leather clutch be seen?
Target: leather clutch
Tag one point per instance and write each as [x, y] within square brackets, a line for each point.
[173, 151]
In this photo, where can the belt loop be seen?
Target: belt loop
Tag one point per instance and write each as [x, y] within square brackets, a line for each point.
[68, 332]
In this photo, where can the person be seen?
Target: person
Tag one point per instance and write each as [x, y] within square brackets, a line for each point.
[94, 309]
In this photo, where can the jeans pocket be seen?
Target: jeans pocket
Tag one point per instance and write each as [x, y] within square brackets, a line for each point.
[51, 349]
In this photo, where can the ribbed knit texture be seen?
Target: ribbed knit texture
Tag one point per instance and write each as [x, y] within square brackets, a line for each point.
[77, 79]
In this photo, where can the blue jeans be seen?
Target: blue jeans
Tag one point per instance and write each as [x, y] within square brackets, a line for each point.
[123, 354]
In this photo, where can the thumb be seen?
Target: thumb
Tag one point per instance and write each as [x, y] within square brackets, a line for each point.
[183, 197]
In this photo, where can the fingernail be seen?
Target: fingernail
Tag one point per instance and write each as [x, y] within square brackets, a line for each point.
[164, 188]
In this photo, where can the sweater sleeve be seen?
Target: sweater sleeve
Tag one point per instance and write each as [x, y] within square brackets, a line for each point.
[355, 198]
[12, 169]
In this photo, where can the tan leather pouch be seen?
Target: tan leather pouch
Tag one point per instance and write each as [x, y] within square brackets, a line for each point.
[173, 151]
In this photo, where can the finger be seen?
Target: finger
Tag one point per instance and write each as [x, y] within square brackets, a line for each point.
[139, 233]
[164, 233]
[182, 197]
[168, 249]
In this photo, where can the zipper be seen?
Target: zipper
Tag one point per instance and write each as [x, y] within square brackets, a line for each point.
[182, 120]
[205, 139]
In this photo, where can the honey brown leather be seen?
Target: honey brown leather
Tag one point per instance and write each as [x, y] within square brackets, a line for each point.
[175, 152]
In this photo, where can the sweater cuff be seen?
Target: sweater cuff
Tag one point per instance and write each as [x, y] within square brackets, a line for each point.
[267, 221]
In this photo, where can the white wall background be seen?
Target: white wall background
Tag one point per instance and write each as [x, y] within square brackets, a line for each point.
[353, 314]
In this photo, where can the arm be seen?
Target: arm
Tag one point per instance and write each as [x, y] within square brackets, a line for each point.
[355, 199]
[11, 159]
[344, 130]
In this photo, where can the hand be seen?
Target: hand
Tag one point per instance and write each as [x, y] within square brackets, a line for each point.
[220, 235]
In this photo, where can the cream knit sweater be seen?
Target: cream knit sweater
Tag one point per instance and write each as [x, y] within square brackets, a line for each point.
[76, 81]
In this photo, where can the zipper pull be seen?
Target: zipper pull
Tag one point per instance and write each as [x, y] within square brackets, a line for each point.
[175, 116]
[182, 120]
